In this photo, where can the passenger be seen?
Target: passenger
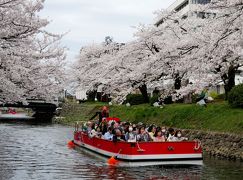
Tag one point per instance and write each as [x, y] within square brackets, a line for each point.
[126, 127]
[171, 135]
[164, 132]
[98, 132]
[120, 126]
[92, 133]
[143, 135]
[84, 127]
[130, 135]
[102, 121]
[134, 125]
[89, 126]
[179, 137]
[103, 127]
[151, 131]
[111, 124]
[118, 136]
[159, 137]
[116, 125]
[135, 129]
[123, 134]
[139, 125]
[108, 135]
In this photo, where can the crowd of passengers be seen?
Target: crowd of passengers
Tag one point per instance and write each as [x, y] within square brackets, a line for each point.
[125, 131]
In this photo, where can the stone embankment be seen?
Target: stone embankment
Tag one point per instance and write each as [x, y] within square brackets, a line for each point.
[222, 145]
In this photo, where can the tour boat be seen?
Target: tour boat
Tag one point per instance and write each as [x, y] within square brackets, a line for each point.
[15, 116]
[142, 153]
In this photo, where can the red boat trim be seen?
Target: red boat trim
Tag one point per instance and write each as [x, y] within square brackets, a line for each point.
[137, 158]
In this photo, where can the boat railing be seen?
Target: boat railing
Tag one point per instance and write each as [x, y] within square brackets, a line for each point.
[78, 125]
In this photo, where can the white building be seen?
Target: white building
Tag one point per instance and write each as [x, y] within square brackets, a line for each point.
[185, 8]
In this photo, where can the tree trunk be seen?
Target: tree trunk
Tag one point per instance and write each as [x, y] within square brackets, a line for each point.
[229, 80]
[143, 90]
[91, 95]
[177, 83]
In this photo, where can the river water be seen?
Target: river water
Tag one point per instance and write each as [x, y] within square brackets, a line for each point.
[40, 152]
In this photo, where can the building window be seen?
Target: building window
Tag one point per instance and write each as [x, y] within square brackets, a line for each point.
[200, 1]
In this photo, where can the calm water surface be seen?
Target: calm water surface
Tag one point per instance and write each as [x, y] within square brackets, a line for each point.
[40, 152]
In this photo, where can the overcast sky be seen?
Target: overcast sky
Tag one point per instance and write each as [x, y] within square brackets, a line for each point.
[89, 21]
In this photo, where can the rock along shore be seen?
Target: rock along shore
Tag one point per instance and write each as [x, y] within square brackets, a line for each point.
[222, 145]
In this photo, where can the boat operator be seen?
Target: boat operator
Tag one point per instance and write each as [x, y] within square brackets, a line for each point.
[104, 113]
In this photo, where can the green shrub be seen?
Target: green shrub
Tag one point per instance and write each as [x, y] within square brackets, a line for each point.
[235, 97]
[213, 94]
[134, 99]
[220, 97]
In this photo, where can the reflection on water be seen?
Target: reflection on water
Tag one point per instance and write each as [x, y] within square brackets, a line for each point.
[40, 152]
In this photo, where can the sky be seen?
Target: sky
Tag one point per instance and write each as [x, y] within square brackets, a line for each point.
[90, 21]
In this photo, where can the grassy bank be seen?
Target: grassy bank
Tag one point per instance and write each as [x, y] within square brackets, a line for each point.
[216, 117]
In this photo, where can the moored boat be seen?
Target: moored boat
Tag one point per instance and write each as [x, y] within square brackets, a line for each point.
[15, 116]
[12, 114]
[143, 153]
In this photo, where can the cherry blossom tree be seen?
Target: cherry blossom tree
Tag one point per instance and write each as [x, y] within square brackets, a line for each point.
[161, 53]
[191, 52]
[224, 50]
[31, 59]
[155, 56]
[92, 67]
[204, 49]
